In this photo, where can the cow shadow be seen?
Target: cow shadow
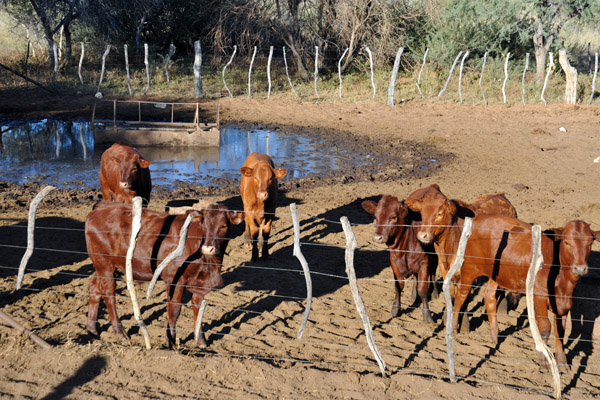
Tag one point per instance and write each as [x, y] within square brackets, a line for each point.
[58, 241]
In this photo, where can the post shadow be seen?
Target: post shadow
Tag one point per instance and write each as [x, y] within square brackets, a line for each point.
[89, 370]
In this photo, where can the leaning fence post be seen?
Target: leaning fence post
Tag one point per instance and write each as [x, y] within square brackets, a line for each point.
[30, 232]
[198, 324]
[103, 66]
[298, 254]
[537, 260]
[462, 63]
[351, 244]
[421, 72]
[371, 65]
[80, 64]
[198, 69]
[340, 69]
[450, 74]
[167, 60]
[481, 77]
[177, 252]
[24, 331]
[225, 67]
[594, 78]
[458, 262]
[269, 71]
[136, 225]
[250, 73]
[316, 74]
[570, 75]
[147, 64]
[523, 78]
[287, 72]
[55, 54]
[505, 77]
[550, 66]
[392, 85]
[127, 69]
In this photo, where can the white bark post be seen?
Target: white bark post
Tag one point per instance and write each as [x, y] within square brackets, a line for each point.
[27, 60]
[57, 150]
[450, 74]
[82, 141]
[570, 75]
[287, 72]
[81, 64]
[136, 225]
[103, 66]
[316, 74]
[340, 69]
[392, 85]
[523, 78]
[421, 72]
[198, 324]
[198, 69]
[269, 71]
[147, 64]
[250, 73]
[127, 69]
[537, 260]
[55, 54]
[371, 66]
[481, 77]
[505, 77]
[458, 262]
[550, 66]
[225, 67]
[351, 245]
[298, 254]
[594, 78]
[30, 232]
[460, 74]
[168, 60]
[177, 252]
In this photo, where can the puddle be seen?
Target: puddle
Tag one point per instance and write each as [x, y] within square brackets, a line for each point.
[63, 154]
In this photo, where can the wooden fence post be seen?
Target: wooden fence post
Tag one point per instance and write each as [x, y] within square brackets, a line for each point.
[147, 64]
[392, 85]
[450, 74]
[55, 54]
[287, 72]
[198, 69]
[30, 232]
[550, 66]
[456, 265]
[103, 67]
[421, 72]
[594, 78]
[371, 66]
[81, 64]
[250, 73]
[24, 331]
[136, 225]
[570, 75]
[27, 60]
[351, 245]
[460, 74]
[523, 78]
[127, 69]
[167, 60]
[316, 74]
[537, 260]
[505, 77]
[481, 77]
[198, 324]
[269, 71]
[225, 67]
[340, 69]
[298, 254]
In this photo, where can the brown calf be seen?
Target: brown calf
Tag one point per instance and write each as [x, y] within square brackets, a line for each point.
[258, 188]
[197, 270]
[500, 248]
[397, 228]
[124, 174]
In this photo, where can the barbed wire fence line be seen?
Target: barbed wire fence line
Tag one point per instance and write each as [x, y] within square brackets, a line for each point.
[320, 303]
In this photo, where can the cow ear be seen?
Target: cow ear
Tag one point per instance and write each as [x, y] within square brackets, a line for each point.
[235, 217]
[198, 216]
[414, 205]
[246, 171]
[144, 163]
[402, 211]
[436, 186]
[280, 173]
[450, 206]
[554, 234]
[369, 206]
[596, 235]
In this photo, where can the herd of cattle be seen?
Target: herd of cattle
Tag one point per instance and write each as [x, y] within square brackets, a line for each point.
[421, 233]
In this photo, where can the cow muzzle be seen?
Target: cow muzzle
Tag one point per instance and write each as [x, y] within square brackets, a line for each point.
[425, 237]
[262, 196]
[379, 239]
[580, 270]
[124, 185]
[209, 250]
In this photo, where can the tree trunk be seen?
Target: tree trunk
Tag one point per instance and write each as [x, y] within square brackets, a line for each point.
[300, 66]
[540, 57]
[68, 54]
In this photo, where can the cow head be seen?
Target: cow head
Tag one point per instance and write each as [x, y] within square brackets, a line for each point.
[130, 168]
[389, 216]
[437, 212]
[216, 222]
[263, 174]
[574, 245]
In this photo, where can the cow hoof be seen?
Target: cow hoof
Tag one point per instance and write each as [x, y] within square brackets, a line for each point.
[92, 330]
[395, 311]
[427, 318]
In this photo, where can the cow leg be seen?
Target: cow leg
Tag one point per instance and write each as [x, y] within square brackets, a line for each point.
[489, 298]
[414, 291]
[103, 284]
[543, 323]
[94, 303]
[463, 289]
[435, 293]
[174, 295]
[196, 302]
[423, 290]
[265, 231]
[252, 232]
[561, 359]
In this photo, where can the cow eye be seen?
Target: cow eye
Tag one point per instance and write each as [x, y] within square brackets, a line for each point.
[224, 226]
[567, 243]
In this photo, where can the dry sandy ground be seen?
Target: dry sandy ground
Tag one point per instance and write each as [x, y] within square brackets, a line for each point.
[252, 322]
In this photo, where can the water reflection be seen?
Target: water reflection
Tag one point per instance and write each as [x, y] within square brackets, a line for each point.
[63, 154]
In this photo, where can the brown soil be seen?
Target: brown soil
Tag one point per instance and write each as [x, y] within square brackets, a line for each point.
[251, 324]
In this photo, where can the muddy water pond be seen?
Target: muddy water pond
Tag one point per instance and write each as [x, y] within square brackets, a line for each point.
[63, 153]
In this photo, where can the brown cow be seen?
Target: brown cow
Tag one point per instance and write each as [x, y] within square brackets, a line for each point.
[500, 248]
[124, 174]
[259, 195]
[197, 270]
[396, 227]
